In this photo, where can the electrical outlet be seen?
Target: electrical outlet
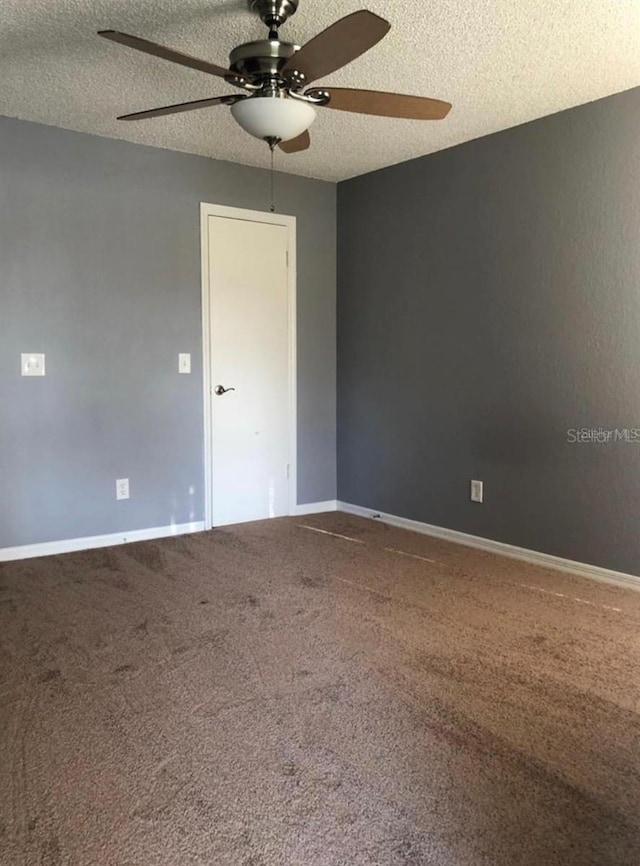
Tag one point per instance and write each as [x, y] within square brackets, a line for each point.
[184, 362]
[477, 491]
[32, 364]
[122, 488]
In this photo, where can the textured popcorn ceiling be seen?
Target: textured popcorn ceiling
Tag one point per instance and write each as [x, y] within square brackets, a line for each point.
[500, 62]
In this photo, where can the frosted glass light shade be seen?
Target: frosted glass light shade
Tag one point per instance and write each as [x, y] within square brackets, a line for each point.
[273, 117]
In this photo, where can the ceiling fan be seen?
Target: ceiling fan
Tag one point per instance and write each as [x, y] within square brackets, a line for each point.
[276, 105]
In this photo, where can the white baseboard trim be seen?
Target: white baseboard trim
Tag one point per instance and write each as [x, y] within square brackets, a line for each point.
[534, 557]
[48, 548]
[315, 508]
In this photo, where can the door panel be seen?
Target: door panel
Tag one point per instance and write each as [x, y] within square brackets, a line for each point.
[249, 330]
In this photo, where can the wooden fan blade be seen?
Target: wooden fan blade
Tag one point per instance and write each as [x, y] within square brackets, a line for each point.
[295, 145]
[338, 45]
[384, 104]
[167, 54]
[182, 106]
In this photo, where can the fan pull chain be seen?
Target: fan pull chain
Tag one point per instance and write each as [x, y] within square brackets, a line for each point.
[273, 206]
[273, 142]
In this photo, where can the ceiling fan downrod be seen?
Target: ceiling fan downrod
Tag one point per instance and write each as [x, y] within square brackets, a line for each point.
[274, 13]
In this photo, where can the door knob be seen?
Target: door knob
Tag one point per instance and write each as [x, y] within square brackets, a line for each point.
[220, 390]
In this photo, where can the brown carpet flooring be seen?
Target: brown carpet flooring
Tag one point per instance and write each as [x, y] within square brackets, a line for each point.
[267, 695]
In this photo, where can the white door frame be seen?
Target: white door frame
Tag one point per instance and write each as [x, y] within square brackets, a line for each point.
[289, 222]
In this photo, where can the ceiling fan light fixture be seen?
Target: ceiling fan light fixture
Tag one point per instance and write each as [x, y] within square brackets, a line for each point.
[269, 117]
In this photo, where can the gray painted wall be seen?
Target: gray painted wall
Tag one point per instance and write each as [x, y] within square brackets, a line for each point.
[100, 269]
[488, 301]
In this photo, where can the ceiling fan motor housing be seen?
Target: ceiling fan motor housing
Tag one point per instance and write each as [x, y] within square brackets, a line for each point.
[262, 60]
[274, 12]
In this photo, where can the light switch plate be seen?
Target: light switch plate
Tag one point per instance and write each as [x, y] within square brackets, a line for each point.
[32, 364]
[122, 488]
[477, 491]
[184, 362]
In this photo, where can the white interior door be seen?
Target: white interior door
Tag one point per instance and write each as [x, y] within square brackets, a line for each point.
[250, 358]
